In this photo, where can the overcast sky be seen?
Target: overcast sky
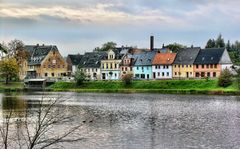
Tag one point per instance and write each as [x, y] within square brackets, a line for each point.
[76, 26]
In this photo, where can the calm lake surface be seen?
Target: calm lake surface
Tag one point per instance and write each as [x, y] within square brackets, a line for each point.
[148, 121]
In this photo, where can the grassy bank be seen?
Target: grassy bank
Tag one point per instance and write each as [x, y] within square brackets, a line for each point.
[12, 86]
[159, 86]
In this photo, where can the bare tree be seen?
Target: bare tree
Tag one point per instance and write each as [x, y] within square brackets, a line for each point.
[41, 126]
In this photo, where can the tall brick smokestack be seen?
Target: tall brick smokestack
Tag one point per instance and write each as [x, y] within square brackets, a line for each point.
[151, 43]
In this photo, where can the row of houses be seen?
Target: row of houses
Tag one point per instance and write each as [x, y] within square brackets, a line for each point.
[45, 61]
[152, 64]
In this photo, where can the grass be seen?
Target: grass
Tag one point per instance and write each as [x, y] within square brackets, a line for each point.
[12, 86]
[156, 86]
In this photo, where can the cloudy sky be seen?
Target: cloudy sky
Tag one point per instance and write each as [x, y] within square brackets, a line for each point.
[76, 26]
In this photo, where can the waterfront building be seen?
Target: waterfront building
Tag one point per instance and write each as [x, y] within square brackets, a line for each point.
[162, 65]
[45, 62]
[90, 63]
[143, 66]
[183, 63]
[73, 62]
[211, 62]
[110, 67]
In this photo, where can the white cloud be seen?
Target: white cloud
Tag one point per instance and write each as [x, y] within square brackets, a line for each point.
[100, 13]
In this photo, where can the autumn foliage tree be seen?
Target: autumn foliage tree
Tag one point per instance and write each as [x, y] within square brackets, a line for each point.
[8, 69]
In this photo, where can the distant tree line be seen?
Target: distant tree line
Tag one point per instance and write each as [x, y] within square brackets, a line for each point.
[233, 48]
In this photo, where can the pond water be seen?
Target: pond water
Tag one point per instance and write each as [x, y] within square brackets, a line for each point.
[146, 121]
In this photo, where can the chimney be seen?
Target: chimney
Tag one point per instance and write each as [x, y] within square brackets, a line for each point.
[151, 43]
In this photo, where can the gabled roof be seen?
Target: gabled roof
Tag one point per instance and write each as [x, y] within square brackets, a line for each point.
[92, 59]
[209, 56]
[75, 59]
[186, 56]
[38, 53]
[164, 58]
[145, 59]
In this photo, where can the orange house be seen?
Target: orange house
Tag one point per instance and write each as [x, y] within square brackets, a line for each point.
[211, 62]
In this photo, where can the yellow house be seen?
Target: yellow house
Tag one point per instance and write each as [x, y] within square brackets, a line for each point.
[183, 63]
[110, 67]
[45, 62]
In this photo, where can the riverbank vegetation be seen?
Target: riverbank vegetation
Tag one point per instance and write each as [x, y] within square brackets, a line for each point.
[203, 86]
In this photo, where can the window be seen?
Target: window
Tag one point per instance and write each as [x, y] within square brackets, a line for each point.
[182, 66]
[147, 68]
[207, 66]
[58, 66]
[163, 74]
[215, 66]
[197, 74]
[116, 66]
[44, 66]
[175, 73]
[214, 74]
[175, 66]
[197, 66]
[110, 65]
[137, 75]
[167, 66]
[143, 76]
[46, 74]
[178, 66]
[190, 66]
[187, 66]
[156, 67]
[158, 73]
[122, 68]
[107, 66]
[211, 66]
[52, 74]
[208, 74]
[53, 66]
[125, 68]
[130, 68]
[202, 74]
[115, 75]
[137, 68]
[202, 66]
[168, 74]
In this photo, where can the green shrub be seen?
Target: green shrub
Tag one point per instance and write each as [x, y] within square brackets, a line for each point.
[79, 77]
[225, 79]
[127, 79]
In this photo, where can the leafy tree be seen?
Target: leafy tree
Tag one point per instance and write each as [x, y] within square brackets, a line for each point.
[238, 77]
[9, 69]
[175, 47]
[106, 46]
[3, 49]
[127, 79]
[225, 79]
[80, 76]
[16, 49]
[228, 46]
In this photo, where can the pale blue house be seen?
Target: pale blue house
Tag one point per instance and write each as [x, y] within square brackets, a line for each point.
[142, 68]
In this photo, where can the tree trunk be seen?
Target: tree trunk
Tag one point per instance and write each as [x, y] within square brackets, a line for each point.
[7, 79]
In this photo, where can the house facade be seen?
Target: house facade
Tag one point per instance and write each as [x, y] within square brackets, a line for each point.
[73, 62]
[143, 66]
[90, 64]
[183, 63]
[110, 67]
[162, 65]
[45, 62]
[211, 62]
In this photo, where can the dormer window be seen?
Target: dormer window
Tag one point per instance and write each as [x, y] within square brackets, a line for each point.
[168, 59]
[203, 58]
[211, 58]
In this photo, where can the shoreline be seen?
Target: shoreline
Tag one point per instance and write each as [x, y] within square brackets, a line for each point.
[188, 87]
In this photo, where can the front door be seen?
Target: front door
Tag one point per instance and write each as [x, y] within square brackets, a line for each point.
[154, 75]
[103, 76]
[187, 74]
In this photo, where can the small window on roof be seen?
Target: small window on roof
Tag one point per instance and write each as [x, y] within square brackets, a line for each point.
[203, 58]
[211, 58]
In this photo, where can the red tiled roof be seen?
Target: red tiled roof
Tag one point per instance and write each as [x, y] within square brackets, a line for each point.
[164, 58]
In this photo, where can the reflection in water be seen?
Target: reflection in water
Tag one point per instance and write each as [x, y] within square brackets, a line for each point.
[13, 104]
[149, 121]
